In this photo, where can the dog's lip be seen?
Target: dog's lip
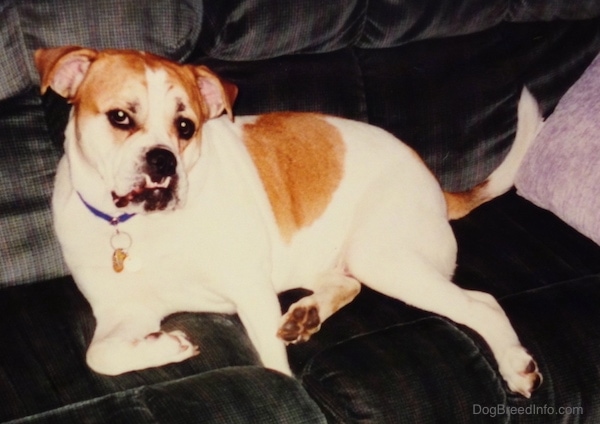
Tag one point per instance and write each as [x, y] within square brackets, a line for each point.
[122, 201]
[146, 184]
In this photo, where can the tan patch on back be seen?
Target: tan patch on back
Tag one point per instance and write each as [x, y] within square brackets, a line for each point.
[299, 157]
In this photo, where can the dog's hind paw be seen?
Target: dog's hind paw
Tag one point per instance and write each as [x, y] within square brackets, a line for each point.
[520, 371]
[299, 323]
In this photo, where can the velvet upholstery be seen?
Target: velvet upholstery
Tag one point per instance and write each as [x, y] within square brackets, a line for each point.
[445, 77]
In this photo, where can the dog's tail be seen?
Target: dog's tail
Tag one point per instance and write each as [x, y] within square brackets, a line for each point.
[502, 179]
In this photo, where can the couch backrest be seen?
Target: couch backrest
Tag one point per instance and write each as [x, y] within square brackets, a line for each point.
[351, 32]
[260, 29]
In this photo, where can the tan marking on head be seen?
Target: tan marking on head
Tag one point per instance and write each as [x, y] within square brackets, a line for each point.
[90, 78]
[299, 158]
[111, 78]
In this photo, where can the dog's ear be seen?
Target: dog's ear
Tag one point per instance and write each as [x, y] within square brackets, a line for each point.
[218, 94]
[63, 68]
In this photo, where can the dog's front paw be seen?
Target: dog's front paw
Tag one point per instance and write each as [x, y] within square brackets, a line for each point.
[299, 323]
[174, 346]
[520, 371]
[113, 356]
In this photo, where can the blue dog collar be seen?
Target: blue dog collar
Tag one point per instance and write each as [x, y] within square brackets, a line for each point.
[112, 220]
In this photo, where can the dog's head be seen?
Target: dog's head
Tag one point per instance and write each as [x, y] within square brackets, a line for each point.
[136, 119]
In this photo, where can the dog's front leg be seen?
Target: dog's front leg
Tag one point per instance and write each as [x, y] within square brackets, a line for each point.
[260, 313]
[133, 341]
[331, 291]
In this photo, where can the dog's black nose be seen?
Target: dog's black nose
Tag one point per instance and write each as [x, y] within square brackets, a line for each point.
[161, 163]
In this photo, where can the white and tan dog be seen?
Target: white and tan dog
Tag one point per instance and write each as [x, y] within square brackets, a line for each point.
[162, 205]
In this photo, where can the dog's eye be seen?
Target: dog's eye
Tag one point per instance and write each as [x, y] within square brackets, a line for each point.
[185, 128]
[120, 119]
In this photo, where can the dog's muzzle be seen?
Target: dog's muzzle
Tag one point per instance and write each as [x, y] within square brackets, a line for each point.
[157, 190]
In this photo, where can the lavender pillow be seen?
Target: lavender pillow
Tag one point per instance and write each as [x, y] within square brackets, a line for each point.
[561, 171]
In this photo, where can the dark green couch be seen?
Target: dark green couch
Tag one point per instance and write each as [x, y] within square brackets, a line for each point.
[443, 75]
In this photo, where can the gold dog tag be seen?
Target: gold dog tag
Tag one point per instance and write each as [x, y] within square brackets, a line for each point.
[118, 259]
[120, 242]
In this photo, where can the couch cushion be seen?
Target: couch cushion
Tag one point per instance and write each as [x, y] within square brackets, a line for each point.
[310, 26]
[425, 371]
[45, 329]
[560, 325]
[454, 99]
[544, 10]
[28, 246]
[454, 103]
[391, 23]
[510, 245]
[235, 395]
[328, 83]
[260, 29]
[14, 65]
[168, 28]
[430, 370]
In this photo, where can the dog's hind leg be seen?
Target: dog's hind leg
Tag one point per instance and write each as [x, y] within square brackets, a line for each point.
[331, 291]
[135, 342]
[411, 278]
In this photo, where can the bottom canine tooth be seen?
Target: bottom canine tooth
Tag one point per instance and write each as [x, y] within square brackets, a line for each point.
[165, 182]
